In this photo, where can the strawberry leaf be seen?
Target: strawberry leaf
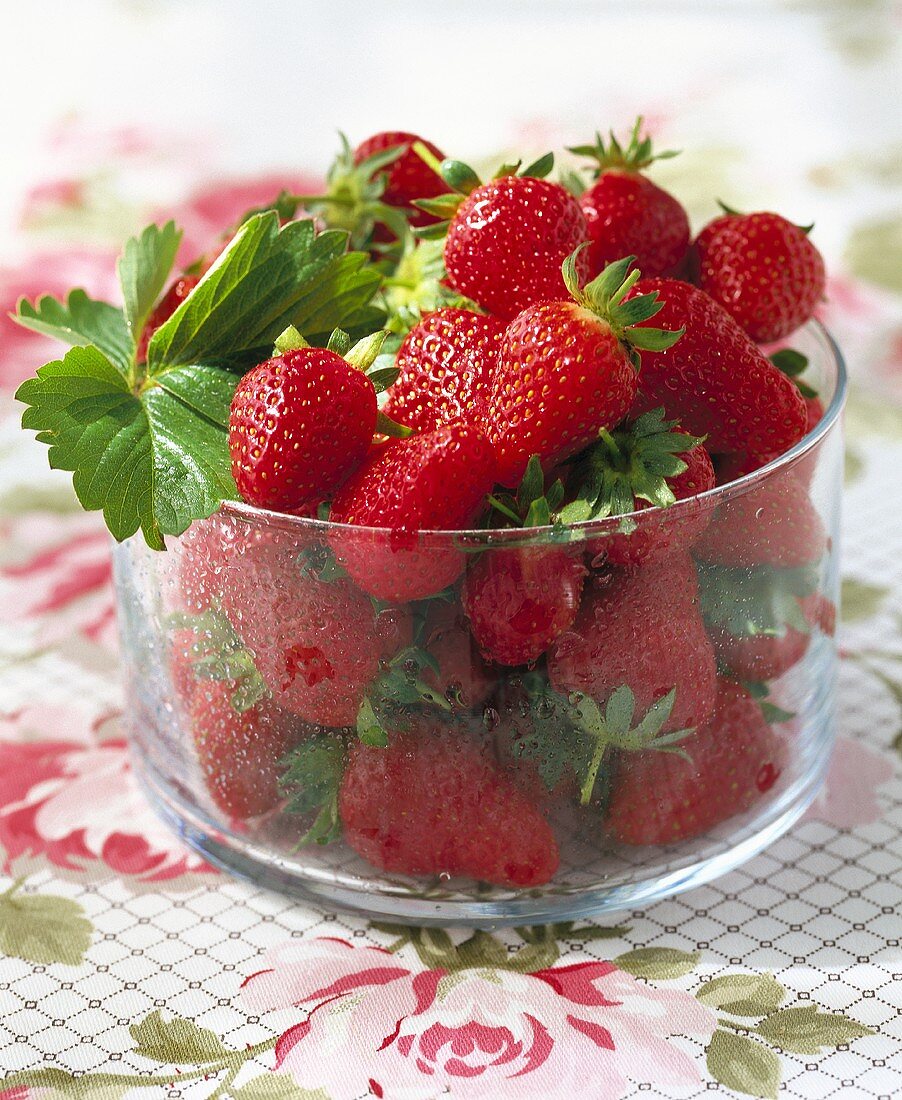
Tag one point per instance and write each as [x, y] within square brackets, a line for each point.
[147, 443]
[80, 321]
[267, 279]
[144, 267]
[151, 460]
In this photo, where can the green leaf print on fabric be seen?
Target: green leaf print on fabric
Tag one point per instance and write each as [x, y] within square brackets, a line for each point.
[42, 928]
[743, 1064]
[874, 252]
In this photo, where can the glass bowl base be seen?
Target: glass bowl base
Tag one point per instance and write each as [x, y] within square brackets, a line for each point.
[675, 871]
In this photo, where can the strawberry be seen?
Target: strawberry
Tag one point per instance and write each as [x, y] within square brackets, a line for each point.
[626, 213]
[735, 758]
[519, 600]
[435, 803]
[567, 369]
[733, 466]
[760, 620]
[774, 523]
[762, 269]
[436, 481]
[462, 677]
[168, 304]
[301, 423]
[445, 366]
[714, 379]
[239, 751]
[318, 644]
[642, 465]
[407, 177]
[641, 629]
[507, 240]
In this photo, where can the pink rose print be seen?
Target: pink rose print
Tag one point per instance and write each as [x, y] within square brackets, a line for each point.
[47, 273]
[72, 803]
[849, 795]
[586, 1030]
[63, 583]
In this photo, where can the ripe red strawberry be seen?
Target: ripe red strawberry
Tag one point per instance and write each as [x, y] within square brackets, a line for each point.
[507, 241]
[408, 177]
[762, 269]
[436, 481]
[567, 369]
[168, 304]
[715, 380]
[661, 798]
[627, 214]
[644, 466]
[731, 467]
[317, 645]
[299, 425]
[462, 676]
[445, 367]
[643, 629]
[774, 523]
[239, 753]
[519, 600]
[435, 803]
[758, 657]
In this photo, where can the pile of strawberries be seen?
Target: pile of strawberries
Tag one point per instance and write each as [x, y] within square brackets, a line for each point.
[432, 677]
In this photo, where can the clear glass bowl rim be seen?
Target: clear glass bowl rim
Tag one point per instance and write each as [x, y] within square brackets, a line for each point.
[254, 516]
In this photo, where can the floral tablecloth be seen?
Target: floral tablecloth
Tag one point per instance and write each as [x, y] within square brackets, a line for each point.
[126, 964]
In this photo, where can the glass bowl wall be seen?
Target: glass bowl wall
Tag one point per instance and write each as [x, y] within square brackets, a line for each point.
[256, 637]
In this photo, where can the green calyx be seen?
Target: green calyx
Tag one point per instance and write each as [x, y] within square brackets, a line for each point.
[399, 687]
[416, 286]
[311, 782]
[793, 364]
[605, 295]
[361, 356]
[353, 197]
[806, 229]
[217, 653]
[764, 600]
[573, 734]
[634, 156]
[533, 505]
[462, 180]
[614, 729]
[629, 464]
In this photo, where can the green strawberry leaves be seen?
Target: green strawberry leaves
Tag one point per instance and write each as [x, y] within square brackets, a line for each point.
[147, 443]
[217, 653]
[533, 505]
[80, 321]
[311, 780]
[630, 464]
[144, 267]
[151, 460]
[267, 279]
[398, 688]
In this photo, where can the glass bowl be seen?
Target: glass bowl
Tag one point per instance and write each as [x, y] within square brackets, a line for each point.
[309, 709]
